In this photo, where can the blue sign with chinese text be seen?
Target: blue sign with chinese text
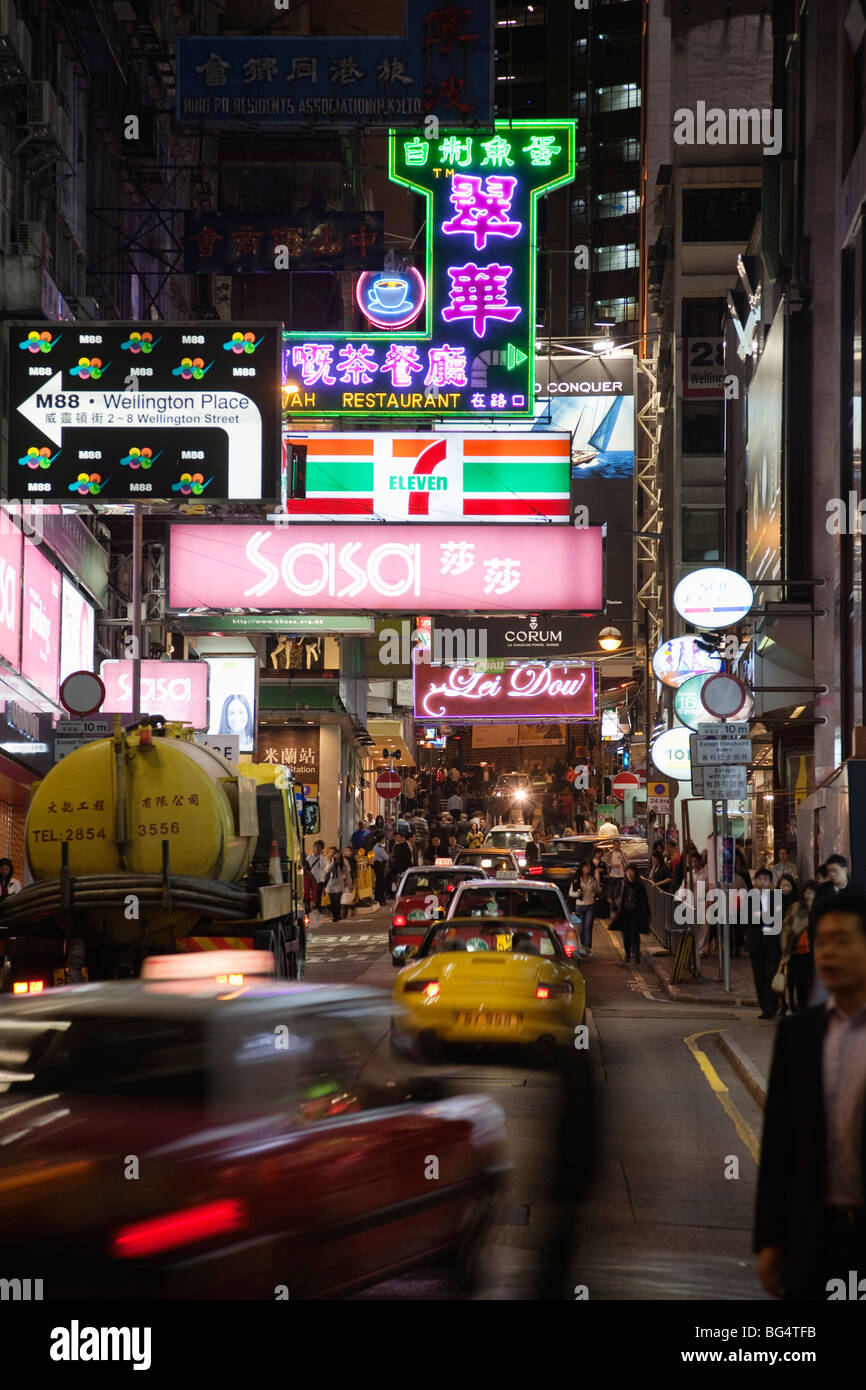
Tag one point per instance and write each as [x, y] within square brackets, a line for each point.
[441, 66]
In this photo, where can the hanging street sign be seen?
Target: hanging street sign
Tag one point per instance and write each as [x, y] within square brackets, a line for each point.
[724, 783]
[708, 752]
[713, 598]
[724, 695]
[151, 411]
[388, 784]
[474, 353]
[623, 782]
[680, 658]
[671, 755]
[732, 729]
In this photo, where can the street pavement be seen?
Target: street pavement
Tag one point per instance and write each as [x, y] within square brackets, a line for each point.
[668, 1214]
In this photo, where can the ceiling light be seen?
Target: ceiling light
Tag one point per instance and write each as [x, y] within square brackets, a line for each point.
[610, 639]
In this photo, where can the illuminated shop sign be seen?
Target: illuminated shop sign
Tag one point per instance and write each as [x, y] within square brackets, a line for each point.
[401, 568]
[174, 689]
[532, 690]
[390, 298]
[447, 477]
[475, 353]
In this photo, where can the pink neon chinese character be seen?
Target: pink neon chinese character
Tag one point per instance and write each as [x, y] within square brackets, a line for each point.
[314, 360]
[446, 366]
[481, 211]
[401, 362]
[357, 364]
[479, 293]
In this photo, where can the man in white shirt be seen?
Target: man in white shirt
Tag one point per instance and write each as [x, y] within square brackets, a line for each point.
[320, 868]
[784, 865]
[455, 803]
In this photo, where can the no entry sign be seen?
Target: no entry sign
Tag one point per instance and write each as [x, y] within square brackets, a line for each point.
[623, 782]
[388, 784]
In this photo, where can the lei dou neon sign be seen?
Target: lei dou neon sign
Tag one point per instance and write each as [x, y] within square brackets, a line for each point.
[476, 351]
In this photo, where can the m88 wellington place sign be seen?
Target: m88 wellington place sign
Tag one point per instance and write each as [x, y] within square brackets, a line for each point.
[475, 353]
[144, 411]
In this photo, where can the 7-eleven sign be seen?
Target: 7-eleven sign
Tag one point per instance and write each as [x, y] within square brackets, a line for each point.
[448, 477]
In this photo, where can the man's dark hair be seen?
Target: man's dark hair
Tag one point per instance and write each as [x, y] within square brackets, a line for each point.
[837, 859]
[855, 903]
[765, 873]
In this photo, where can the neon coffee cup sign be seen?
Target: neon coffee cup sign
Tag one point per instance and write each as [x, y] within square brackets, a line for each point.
[531, 691]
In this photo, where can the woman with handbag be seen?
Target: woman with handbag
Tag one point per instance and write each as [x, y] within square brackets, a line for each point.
[582, 895]
[631, 911]
[339, 882]
[797, 964]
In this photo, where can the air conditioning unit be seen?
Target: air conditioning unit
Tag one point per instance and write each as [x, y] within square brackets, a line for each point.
[41, 107]
[84, 306]
[29, 239]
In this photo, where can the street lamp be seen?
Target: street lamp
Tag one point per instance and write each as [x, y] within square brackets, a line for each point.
[610, 639]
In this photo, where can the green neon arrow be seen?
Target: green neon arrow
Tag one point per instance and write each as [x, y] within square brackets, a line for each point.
[513, 356]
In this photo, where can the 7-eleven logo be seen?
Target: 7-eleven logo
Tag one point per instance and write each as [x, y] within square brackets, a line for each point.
[415, 477]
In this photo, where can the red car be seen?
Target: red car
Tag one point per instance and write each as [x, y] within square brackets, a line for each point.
[420, 893]
[517, 898]
[228, 1142]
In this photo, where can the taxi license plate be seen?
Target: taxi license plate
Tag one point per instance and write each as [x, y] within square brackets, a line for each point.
[488, 1020]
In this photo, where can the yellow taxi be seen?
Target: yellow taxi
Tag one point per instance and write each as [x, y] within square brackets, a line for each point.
[483, 980]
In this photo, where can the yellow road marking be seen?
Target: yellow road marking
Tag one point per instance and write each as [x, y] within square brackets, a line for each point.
[721, 1092]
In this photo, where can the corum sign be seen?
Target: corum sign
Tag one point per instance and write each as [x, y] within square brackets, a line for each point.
[401, 568]
[531, 691]
[174, 689]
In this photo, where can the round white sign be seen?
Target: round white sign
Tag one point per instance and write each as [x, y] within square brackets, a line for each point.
[675, 661]
[82, 692]
[713, 598]
[723, 695]
[671, 754]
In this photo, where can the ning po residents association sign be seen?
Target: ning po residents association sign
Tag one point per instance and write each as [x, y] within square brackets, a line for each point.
[475, 352]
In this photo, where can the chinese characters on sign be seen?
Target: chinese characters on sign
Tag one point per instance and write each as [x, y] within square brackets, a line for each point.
[441, 66]
[475, 353]
[248, 242]
[296, 749]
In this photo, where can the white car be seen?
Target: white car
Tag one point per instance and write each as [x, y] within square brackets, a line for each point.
[513, 837]
[515, 898]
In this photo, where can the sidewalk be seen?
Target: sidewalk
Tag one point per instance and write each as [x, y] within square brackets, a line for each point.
[709, 989]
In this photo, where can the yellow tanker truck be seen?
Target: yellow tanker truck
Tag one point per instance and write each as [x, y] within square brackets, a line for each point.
[149, 843]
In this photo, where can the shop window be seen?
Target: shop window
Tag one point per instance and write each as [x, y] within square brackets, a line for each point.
[720, 214]
[703, 427]
[703, 537]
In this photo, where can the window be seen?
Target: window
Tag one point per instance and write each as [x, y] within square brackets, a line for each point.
[617, 257]
[619, 98]
[703, 427]
[720, 214]
[577, 314]
[578, 102]
[703, 534]
[617, 204]
[620, 309]
[578, 210]
[703, 318]
[627, 150]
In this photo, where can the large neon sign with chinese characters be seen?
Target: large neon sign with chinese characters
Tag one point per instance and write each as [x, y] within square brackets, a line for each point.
[476, 351]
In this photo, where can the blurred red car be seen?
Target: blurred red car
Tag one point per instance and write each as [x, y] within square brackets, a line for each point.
[228, 1143]
[420, 893]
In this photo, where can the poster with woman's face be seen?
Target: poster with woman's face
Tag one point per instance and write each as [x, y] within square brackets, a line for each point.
[232, 698]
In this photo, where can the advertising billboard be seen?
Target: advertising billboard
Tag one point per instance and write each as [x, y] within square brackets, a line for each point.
[474, 353]
[175, 689]
[441, 65]
[77, 632]
[11, 542]
[40, 622]
[764, 463]
[531, 691]
[144, 411]
[232, 698]
[703, 369]
[403, 568]
[446, 477]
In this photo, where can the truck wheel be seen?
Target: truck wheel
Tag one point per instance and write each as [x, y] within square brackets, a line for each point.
[298, 959]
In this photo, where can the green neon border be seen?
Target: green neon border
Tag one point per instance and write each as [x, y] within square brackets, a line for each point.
[567, 127]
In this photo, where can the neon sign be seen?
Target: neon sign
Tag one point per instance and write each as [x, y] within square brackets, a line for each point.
[391, 299]
[531, 690]
[475, 352]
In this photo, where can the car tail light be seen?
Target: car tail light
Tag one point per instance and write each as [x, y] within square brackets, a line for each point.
[535, 868]
[570, 943]
[28, 987]
[399, 921]
[233, 979]
[183, 1227]
[429, 988]
[555, 991]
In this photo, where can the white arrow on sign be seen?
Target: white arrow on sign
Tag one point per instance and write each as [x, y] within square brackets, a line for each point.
[170, 409]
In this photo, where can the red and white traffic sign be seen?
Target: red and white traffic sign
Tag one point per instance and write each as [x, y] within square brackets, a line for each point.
[623, 782]
[388, 783]
[82, 692]
[723, 695]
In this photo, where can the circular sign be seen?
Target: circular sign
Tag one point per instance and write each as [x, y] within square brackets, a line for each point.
[675, 661]
[671, 754]
[388, 784]
[723, 696]
[687, 701]
[82, 692]
[713, 598]
[623, 782]
[391, 298]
